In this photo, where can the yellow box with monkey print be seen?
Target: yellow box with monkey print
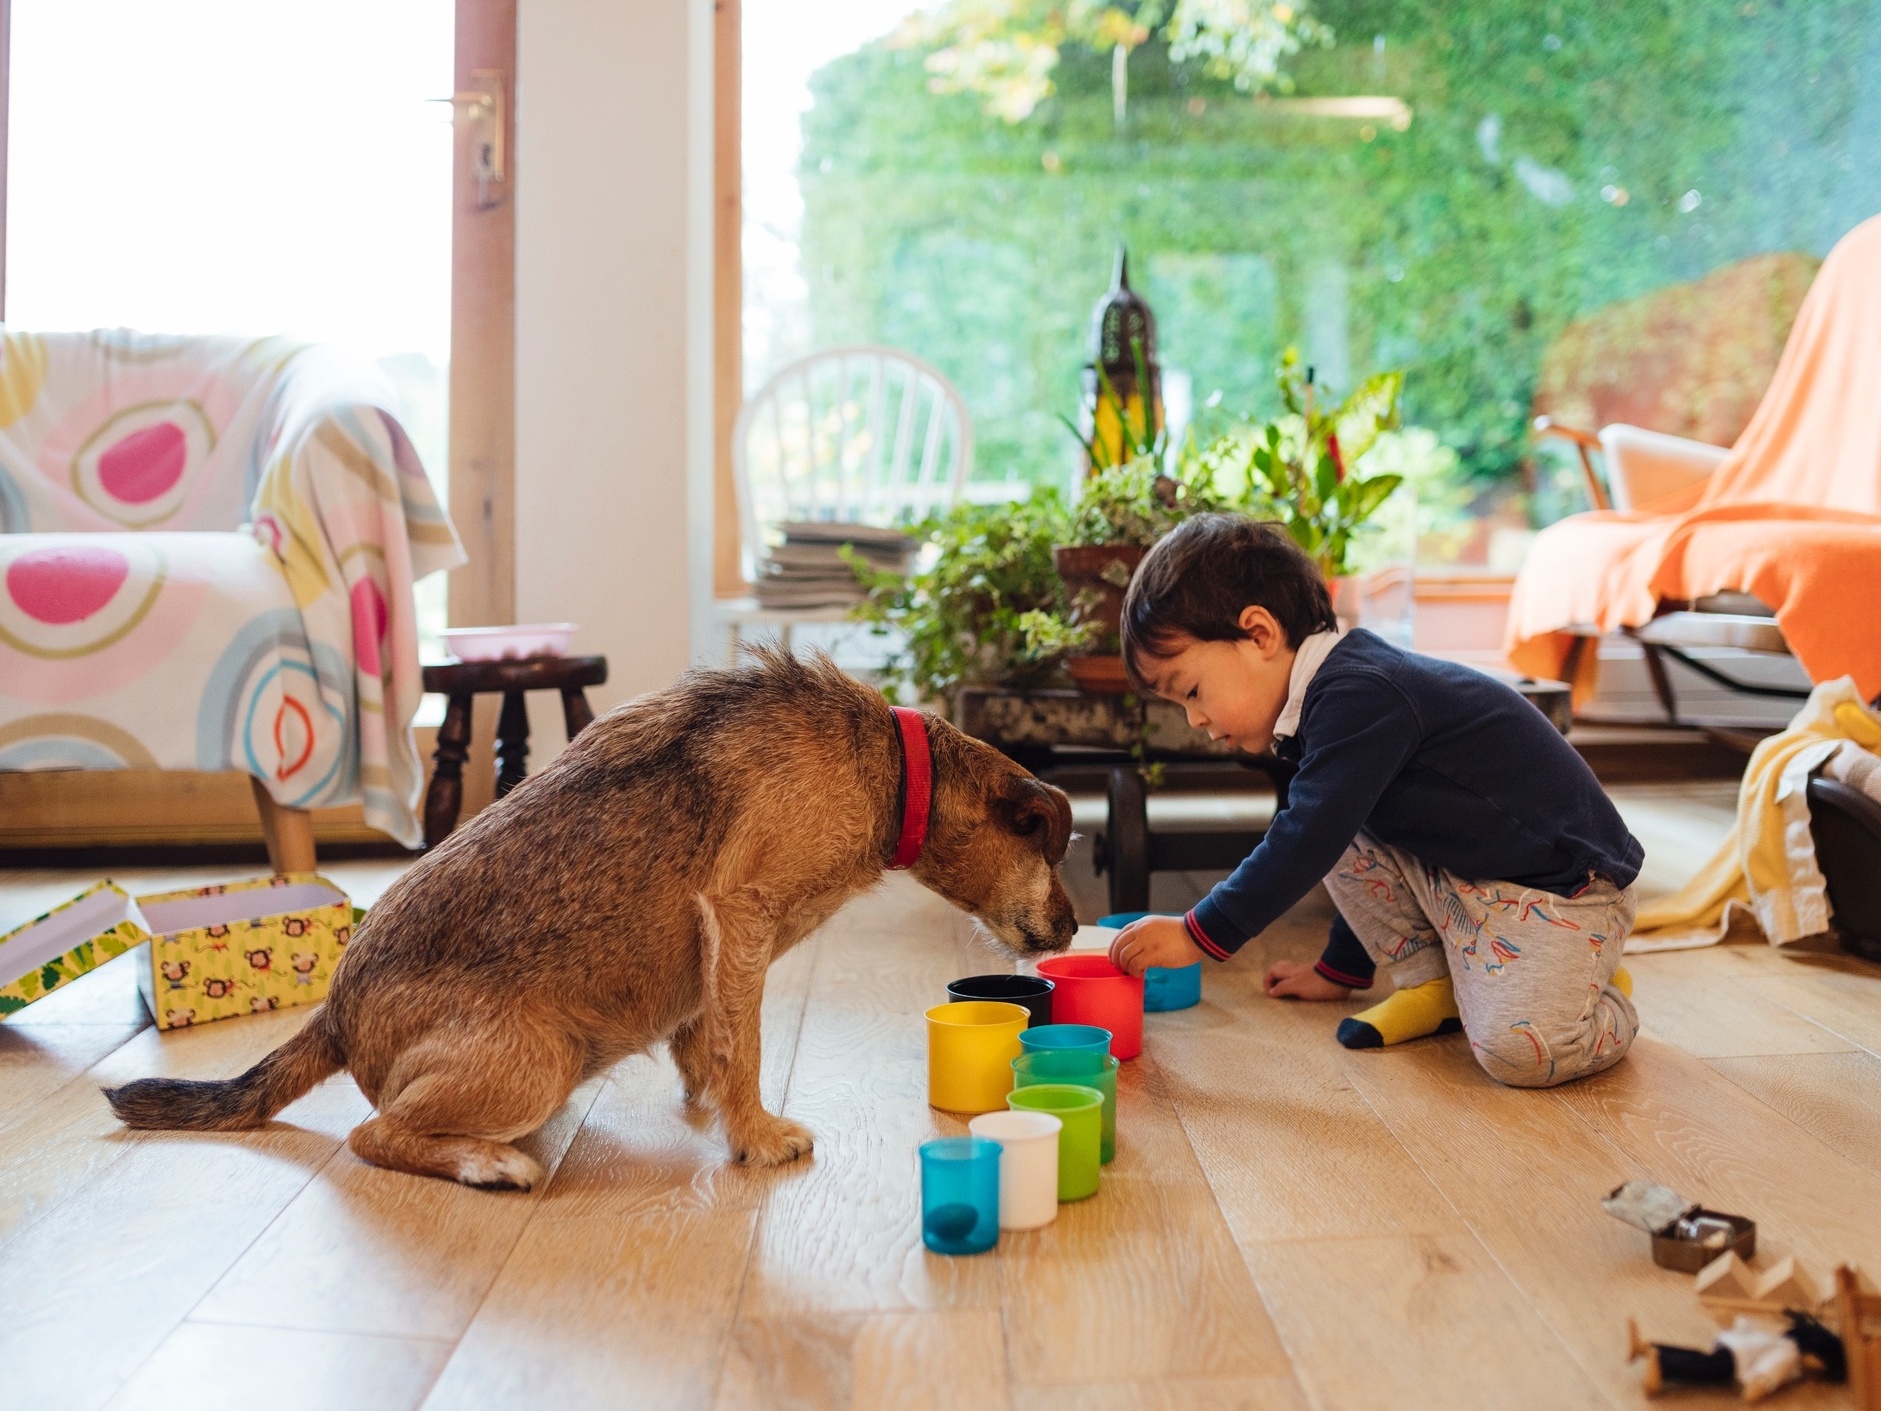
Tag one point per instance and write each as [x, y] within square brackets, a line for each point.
[242, 948]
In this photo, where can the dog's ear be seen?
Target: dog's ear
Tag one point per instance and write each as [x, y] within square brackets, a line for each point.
[1038, 811]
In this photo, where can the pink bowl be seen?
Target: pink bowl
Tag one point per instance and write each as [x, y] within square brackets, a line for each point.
[1088, 989]
[537, 639]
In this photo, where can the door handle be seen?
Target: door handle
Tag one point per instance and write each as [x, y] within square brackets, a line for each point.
[481, 105]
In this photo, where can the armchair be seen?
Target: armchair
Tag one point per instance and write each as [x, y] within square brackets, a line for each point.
[1784, 533]
[207, 553]
[1651, 467]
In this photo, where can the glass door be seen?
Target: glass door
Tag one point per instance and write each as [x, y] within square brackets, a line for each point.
[226, 166]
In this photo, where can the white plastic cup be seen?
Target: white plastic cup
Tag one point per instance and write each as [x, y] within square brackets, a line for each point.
[1028, 1165]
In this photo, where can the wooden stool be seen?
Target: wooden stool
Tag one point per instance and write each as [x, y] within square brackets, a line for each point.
[462, 681]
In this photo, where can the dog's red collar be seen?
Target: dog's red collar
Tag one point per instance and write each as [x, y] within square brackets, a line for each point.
[917, 786]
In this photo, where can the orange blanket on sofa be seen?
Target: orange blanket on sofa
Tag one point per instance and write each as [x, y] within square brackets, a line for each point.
[1793, 515]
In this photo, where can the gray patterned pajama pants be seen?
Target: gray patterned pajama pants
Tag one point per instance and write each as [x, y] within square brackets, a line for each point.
[1532, 970]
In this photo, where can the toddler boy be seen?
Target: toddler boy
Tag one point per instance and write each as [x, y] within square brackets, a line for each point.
[1469, 850]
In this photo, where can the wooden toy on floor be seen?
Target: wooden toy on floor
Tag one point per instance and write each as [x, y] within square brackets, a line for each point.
[1727, 1286]
[1685, 1235]
[1858, 1313]
[1757, 1354]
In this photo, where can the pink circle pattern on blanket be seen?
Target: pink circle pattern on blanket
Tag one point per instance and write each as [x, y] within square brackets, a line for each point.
[370, 618]
[61, 585]
[134, 468]
[68, 599]
[145, 464]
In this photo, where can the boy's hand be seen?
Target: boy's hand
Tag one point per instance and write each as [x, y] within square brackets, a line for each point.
[1295, 979]
[1155, 940]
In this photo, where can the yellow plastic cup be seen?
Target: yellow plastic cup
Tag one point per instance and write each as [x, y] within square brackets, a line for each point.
[970, 1048]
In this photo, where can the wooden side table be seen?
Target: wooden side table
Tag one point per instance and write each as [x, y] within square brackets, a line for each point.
[1055, 729]
[462, 682]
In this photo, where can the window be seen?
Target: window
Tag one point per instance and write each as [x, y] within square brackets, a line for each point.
[208, 166]
[1507, 199]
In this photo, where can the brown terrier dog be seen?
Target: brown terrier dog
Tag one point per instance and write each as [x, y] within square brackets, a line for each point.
[637, 890]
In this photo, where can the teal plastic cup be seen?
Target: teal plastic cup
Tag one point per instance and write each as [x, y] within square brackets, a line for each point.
[1080, 1141]
[1077, 1038]
[1091, 1070]
[960, 1195]
[1165, 989]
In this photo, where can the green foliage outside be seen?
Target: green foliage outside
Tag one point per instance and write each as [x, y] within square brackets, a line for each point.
[1456, 249]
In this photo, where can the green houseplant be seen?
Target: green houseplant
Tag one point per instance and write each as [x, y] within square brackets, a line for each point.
[984, 606]
[1121, 511]
[1301, 470]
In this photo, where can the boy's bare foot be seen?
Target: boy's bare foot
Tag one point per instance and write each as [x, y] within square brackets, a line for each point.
[1296, 979]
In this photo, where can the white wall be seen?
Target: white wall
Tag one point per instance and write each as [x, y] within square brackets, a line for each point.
[613, 355]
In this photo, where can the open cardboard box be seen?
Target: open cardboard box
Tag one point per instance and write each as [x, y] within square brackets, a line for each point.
[214, 952]
[73, 938]
[244, 948]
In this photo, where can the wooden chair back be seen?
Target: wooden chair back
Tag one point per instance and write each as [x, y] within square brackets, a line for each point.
[859, 434]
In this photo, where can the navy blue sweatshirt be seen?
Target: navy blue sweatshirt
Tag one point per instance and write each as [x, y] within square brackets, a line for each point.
[1438, 759]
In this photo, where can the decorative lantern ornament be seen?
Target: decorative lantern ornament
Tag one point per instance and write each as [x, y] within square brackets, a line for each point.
[1122, 384]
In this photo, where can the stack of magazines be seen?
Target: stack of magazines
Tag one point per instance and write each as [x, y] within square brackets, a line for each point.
[807, 570]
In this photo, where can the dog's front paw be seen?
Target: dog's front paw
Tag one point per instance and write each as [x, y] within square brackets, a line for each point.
[770, 1141]
[497, 1166]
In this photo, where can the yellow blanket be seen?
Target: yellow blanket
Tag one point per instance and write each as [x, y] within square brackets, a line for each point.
[1767, 865]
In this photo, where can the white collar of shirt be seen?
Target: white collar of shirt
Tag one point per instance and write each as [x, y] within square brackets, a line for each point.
[1306, 664]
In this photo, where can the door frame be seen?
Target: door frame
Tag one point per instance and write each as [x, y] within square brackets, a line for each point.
[483, 337]
[728, 392]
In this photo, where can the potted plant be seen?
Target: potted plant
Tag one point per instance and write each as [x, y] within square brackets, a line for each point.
[1300, 469]
[984, 606]
[1121, 511]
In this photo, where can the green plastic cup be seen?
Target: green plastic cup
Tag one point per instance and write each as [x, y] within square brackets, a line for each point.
[1080, 1143]
[1090, 1070]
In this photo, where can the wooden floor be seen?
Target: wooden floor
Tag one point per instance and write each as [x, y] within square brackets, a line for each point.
[1287, 1224]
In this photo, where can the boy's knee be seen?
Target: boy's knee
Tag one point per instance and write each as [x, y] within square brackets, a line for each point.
[1523, 1055]
[1518, 1056]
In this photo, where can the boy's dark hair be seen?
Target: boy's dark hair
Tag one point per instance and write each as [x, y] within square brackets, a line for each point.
[1200, 575]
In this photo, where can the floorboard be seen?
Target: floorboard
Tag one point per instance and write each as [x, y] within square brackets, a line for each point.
[1835, 1097]
[1288, 1225]
[205, 1367]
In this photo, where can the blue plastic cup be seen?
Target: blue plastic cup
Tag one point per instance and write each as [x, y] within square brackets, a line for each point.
[960, 1195]
[1081, 1038]
[1068, 1065]
[1165, 989]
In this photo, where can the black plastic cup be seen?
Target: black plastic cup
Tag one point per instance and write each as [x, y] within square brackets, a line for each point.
[1030, 992]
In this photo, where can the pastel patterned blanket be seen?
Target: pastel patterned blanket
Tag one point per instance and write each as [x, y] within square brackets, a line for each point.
[207, 553]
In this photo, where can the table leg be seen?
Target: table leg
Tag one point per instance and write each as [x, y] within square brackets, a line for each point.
[512, 742]
[1128, 840]
[444, 796]
[287, 831]
[576, 714]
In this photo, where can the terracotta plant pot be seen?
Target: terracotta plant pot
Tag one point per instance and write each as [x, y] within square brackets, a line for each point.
[1099, 675]
[1344, 589]
[1095, 578]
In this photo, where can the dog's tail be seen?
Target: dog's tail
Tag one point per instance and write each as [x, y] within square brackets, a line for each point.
[248, 1101]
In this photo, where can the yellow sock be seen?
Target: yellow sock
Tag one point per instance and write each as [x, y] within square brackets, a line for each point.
[1429, 1008]
[1622, 981]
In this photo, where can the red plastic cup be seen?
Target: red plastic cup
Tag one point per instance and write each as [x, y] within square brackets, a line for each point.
[1088, 989]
